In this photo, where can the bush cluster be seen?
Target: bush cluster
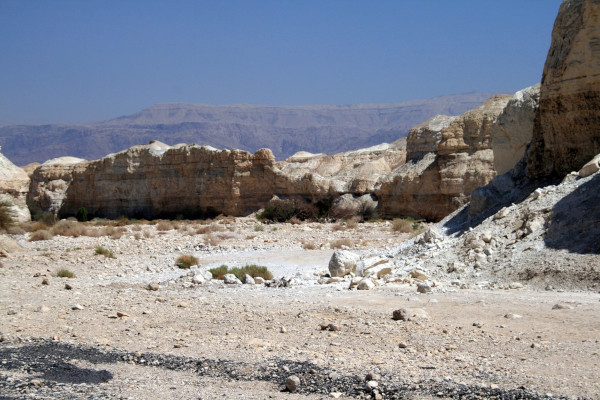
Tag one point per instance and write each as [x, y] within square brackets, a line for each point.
[284, 210]
[104, 251]
[253, 270]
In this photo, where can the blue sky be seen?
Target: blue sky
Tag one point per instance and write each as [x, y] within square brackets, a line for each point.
[87, 60]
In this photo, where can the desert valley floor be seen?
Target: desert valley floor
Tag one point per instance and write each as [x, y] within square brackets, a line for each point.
[104, 334]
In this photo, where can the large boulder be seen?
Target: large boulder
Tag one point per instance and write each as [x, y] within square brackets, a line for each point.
[566, 133]
[342, 263]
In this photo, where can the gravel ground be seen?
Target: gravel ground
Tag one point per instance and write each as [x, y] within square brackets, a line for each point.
[108, 336]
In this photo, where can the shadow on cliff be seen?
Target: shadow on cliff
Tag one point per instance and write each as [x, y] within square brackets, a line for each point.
[575, 220]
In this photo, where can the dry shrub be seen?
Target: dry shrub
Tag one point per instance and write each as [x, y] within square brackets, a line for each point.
[34, 226]
[217, 227]
[402, 225]
[122, 221]
[148, 234]
[202, 230]
[118, 232]
[309, 245]
[164, 226]
[250, 237]
[212, 240]
[65, 273]
[104, 251]
[352, 223]
[340, 226]
[137, 228]
[295, 221]
[68, 227]
[7, 214]
[337, 244]
[185, 261]
[137, 236]
[40, 235]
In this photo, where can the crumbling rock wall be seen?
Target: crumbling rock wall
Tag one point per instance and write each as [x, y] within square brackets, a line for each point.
[567, 127]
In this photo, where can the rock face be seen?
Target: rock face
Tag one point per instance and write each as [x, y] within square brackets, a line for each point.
[50, 181]
[447, 158]
[566, 133]
[14, 184]
[513, 130]
[158, 180]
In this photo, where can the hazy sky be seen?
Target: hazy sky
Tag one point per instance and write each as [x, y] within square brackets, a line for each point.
[86, 60]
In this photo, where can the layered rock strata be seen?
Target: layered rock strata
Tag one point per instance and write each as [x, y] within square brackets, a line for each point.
[157, 180]
[14, 184]
[447, 158]
[566, 132]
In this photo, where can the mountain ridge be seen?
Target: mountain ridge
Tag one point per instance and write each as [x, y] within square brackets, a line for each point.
[284, 129]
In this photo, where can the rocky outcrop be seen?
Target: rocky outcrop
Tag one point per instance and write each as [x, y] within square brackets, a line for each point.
[447, 158]
[354, 172]
[513, 130]
[157, 180]
[50, 181]
[14, 184]
[566, 133]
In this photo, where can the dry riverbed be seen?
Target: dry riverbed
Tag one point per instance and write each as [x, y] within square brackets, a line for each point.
[103, 334]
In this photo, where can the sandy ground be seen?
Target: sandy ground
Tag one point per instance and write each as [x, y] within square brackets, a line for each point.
[110, 337]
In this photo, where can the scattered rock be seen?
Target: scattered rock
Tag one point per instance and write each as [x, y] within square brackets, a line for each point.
[231, 279]
[45, 281]
[560, 306]
[292, 383]
[154, 286]
[418, 275]
[248, 280]
[77, 307]
[365, 284]
[423, 288]
[121, 314]
[68, 286]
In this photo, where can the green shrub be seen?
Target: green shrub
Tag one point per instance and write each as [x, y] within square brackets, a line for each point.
[185, 261]
[105, 252]
[252, 270]
[219, 272]
[284, 210]
[7, 214]
[259, 228]
[81, 214]
[65, 273]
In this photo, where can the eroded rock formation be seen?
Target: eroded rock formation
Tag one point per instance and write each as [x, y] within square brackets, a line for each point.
[14, 184]
[447, 157]
[566, 132]
[157, 180]
[513, 130]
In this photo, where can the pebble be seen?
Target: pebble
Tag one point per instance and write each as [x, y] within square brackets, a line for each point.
[477, 324]
[371, 385]
[423, 288]
[402, 345]
[77, 307]
[154, 286]
[68, 287]
[45, 281]
[121, 314]
[282, 329]
[292, 383]
[561, 307]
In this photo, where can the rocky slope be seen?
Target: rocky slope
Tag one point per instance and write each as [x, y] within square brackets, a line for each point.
[285, 130]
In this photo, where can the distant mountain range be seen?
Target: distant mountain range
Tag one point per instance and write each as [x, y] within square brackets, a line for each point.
[284, 129]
